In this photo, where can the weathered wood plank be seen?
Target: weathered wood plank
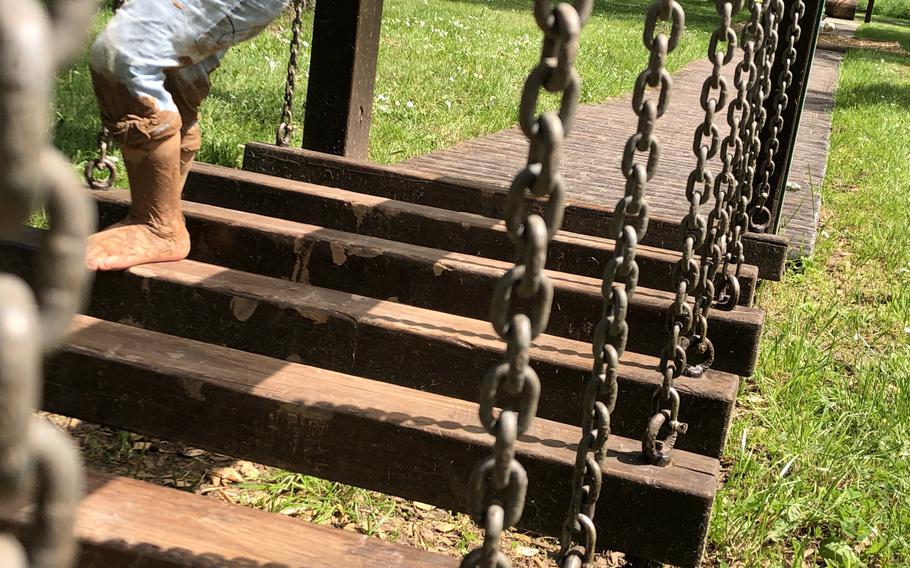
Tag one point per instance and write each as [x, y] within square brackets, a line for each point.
[416, 224]
[363, 432]
[123, 522]
[428, 278]
[767, 252]
[382, 340]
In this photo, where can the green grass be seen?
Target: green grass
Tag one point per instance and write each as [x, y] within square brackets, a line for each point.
[890, 8]
[448, 71]
[887, 29]
[820, 454]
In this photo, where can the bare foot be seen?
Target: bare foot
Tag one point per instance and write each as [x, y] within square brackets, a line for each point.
[130, 243]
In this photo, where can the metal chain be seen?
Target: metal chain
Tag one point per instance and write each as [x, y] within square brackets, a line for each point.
[628, 227]
[498, 484]
[33, 320]
[636, 176]
[772, 12]
[286, 126]
[759, 214]
[697, 233]
[733, 156]
[103, 163]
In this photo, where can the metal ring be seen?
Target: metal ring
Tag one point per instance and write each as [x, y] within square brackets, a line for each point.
[100, 165]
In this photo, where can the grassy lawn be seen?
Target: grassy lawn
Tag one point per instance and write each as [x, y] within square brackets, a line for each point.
[890, 8]
[819, 458]
[818, 463]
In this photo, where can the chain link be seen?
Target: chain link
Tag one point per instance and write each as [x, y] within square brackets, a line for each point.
[759, 214]
[498, 483]
[32, 321]
[286, 126]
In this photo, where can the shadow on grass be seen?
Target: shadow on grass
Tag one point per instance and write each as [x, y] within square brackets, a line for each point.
[892, 30]
[881, 91]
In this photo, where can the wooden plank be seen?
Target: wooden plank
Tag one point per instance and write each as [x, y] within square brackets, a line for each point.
[339, 103]
[428, 278]
[767, 252]
[390, 342]
[123, 522]
[416, 224]
[364, 433]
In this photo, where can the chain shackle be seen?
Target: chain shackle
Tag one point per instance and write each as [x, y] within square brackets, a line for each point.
[628, 227]
[498, 484]
[285, 128]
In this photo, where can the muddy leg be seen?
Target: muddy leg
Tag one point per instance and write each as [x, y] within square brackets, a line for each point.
[150, 142]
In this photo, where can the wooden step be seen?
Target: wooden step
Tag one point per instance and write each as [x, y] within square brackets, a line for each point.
[382, 340]
[127, 523]
[427, 278]
[767, 252]
[364, 433]
[416, 224]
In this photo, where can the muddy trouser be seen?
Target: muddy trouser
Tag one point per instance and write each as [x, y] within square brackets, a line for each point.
[151, 64]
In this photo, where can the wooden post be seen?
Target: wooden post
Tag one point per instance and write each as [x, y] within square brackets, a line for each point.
[869, 7]
[801, 67]
[339, 100]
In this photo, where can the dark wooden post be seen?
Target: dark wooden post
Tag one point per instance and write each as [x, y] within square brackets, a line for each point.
[801, 67]
[339, 102]
[869, 7]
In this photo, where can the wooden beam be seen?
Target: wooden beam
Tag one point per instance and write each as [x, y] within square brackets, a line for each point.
[339, 101]
[415, 224]
[428, 278]
[364, 433]
[767, 252]
[123, 522]
[386, 341]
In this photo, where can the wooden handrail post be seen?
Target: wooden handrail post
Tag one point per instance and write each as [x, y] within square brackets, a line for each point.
[339, 100]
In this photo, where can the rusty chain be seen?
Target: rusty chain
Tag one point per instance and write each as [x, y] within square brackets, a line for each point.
[34, 454]
[766, 38]
[726, 184]
[679, 317]
[697, 233]
[103, 163]
[286, 126]
[498, 483]
[759, 214]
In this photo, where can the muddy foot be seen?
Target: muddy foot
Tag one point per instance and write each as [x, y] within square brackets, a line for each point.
[130, 243]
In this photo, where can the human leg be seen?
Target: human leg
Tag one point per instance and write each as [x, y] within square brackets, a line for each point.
[146, 48]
